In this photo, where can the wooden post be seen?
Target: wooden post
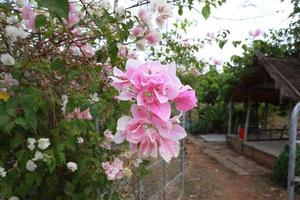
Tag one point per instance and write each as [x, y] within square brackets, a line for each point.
[247, 119]
[289, 114]
[229, 131]
[265, 121]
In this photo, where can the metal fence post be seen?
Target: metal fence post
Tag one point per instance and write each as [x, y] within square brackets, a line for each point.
[182, 160]
[140, 189]
[165, 191]
[292, 153]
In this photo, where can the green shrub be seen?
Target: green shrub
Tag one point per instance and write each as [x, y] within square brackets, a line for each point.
[280, 167]
[211, 118]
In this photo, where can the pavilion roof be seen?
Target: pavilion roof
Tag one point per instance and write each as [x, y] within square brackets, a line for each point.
[271, 79]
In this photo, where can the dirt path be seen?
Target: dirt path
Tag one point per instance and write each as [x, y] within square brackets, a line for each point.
[207, 179]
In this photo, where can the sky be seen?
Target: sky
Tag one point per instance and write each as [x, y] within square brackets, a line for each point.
[237, 16]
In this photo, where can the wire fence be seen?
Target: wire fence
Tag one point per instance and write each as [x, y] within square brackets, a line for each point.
[165, 181]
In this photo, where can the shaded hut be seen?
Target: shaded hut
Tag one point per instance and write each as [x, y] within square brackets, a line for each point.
[271, 80]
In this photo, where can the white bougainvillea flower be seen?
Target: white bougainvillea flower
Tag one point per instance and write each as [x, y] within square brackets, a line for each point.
[156, 4]
[120, 10]
[30, 143]
[105, 4]
[12, 19]
[140, 45]
[80, 140]
[2, 172]
[7, 59]
[38, 156]
[31, 166]
[137, 162]
[20, 3]
[72, 166]
[13, 33]
[43, 143]
[14, 198]
[64, 99]
[94, 98]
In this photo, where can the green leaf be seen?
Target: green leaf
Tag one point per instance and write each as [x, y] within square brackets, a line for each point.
[40, 21]
[206, 11]
[180, 10]
[31, 118]
[190, 3]
[8, 127]
[22, 122]
[103, 20]
[11, 112]
[113, 51]
[51, 164]
[222, 43]
[15, 142]
[4, 119]
[58, 7]
[57, 63]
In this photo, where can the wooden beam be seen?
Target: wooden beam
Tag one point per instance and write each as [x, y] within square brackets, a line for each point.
[247, 118]
[229, 131]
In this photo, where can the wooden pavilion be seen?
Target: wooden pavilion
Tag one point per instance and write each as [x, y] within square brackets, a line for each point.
[273, 81]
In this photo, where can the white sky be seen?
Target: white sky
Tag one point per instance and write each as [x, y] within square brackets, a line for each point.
[262, 14]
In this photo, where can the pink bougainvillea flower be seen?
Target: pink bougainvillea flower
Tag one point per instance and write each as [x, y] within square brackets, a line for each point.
[137, 31]
[256, 33]
[121, 129]
[9, 81]
[168, 129]
[152, 86]
[153, 37]
[217, 62]
[120, 79]
[73, 19]
[160, 20]
[186, 99]
[132, 55]
[72, 7]
[29, 17]
[144, 16]
[186, 43]
[135, 129]
[139, 111]
[148, 147]
[26, 12]
[77, 114]
[165, 10]
[122, 51]
[113, 170]
[88, 50]
[108, 139]
[168, 148]
[150, 83]
[86, 115]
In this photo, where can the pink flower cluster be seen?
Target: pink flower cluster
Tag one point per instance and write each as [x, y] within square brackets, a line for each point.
[256, 33]
[28, 16]
[74, 14]
[144, 31]
[77, 114]
[113, 170]
[153, 87]
[9, 81]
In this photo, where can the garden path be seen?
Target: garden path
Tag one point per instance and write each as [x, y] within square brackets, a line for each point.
[213, 172]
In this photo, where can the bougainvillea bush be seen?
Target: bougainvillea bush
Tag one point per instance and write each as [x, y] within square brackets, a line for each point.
[78, 112]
